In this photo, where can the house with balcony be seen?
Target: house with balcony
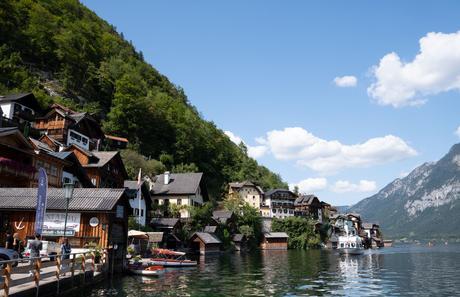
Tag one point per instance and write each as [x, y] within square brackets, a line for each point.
[181, 189]
[248, 192]
[308, 206]
[70, 127]
[280, 203]
[17, 168]
[19, 110]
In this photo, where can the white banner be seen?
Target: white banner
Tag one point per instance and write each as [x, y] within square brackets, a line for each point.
[54, 223]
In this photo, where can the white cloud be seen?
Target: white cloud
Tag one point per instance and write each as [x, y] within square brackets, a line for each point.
[342, 186]
[435, 69]
[310, 185]
[330, 156]
[253, 151]
[457, 132]
[346, 81]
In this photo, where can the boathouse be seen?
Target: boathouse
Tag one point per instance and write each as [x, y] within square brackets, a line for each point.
[274, 241]
[239, 242]
[205, 243]
[96, 216]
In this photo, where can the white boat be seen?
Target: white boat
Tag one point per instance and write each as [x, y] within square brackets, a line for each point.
[170, 258]
[146, 271]
[350, 243]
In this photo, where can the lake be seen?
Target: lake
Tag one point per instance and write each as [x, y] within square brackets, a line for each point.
[398, 271]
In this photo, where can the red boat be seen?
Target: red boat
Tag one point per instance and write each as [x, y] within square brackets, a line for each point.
[170, 258]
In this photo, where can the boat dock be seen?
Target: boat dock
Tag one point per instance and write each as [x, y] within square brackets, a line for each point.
[43, 276]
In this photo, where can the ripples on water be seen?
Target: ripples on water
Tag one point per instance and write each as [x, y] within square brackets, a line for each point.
[398, 271]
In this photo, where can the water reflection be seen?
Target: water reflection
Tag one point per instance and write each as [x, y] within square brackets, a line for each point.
[398, 271]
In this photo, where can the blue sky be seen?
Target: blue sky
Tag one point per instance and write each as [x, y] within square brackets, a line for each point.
[265, 70]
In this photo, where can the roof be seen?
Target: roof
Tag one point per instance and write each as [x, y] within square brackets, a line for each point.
[122, 139]
[207, 238]
[241, 184]
[61, 155]
[15, 131]
[40, 145]
[210, 229]
[89, 199]
[132, 184]
[103, 158]
[276, 235]
[222, 216]
[180, 183]
[155, 236]
[164, 222]
[305, 200]
[26, 99]
[237, 237]
[54, 141]
[271, 192]
[14, 97]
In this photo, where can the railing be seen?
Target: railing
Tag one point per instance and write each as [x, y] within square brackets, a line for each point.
[18, 272]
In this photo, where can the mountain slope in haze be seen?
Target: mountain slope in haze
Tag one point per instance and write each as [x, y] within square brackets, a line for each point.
[424, 204]
[63, 52]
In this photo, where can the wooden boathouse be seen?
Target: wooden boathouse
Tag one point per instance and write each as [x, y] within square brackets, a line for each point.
[274, 241]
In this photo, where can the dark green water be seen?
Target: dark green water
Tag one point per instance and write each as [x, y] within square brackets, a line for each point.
[398, 271]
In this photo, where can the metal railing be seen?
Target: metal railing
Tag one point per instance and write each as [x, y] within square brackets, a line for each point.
[15, 273]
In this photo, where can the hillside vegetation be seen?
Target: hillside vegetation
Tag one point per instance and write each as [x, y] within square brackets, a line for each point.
[65, 53]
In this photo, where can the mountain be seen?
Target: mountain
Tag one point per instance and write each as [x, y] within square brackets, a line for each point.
[425, 204]
[64, 53]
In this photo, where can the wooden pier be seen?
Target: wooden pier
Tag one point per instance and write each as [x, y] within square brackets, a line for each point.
[44, 276]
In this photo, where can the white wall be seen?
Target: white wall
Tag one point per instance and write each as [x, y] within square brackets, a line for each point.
[71, 140]
[7, 109]
[134, 203]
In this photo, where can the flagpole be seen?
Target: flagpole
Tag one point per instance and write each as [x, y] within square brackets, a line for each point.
[139, 197]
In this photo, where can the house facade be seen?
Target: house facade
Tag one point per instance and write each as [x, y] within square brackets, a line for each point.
[309, 206]
[19, 110]
[141, 205]
[181, 189]
[280, 203]
[248, 192]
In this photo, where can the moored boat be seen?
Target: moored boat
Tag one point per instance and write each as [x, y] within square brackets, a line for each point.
[387, 243]
[350, 243]
[170, 258]
[151, 270]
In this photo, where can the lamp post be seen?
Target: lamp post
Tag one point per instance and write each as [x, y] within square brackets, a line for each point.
[68, 192]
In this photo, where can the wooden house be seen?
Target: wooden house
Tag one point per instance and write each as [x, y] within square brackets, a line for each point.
[226, 218]
[280, 202]
[96, 216]
[308, 206]
[373, 236]
[171, 227]
[182, 189]
[17, 159]
[19, 110]
[70, 127]
[274, 241]
[205, 243]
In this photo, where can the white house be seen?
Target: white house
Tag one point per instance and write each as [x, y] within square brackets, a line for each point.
[280, 203]
[183, 189]
[141, 212]
[19, 107]
[247, 191]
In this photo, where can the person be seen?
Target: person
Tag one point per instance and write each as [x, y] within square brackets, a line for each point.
[66, 249]
[35, 246]
[17, 244]
[9, 240]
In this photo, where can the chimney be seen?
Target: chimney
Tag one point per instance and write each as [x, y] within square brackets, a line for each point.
[166, 177]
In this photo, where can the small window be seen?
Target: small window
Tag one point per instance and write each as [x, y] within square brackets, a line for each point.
[142, 212]
[53, 170]
[93, 181]
[179, 201]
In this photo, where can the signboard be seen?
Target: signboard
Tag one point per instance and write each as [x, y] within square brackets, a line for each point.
[41, 200]
[54, 223]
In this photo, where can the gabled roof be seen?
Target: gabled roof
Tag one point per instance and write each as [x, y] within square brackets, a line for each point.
[241, 184]
[238, 237]
[306, 200]
[40, 145]
[28, 148]
[132, 184]
[83, 199]
[179, 184]
[276, 235]
[164, 222]
[207, 238]
[102, 158]
[210, 229]
[273, 191]
[26, 99]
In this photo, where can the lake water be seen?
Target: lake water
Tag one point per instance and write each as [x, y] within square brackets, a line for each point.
[398, 271]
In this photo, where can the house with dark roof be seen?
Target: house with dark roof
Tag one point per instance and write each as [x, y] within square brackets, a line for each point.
[20, 108]
[139, 200]
[239, 242]
[181, 189]
[308, 206]
[70, 127]
[96, 216]
[249, 192]
[280, 203]
[171, 228]
[205, 243]
[17, 157]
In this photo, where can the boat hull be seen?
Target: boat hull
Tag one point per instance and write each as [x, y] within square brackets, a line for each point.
[173, 263]
[146, 272]
[351, 251]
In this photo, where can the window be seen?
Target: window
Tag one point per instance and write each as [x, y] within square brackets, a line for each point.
[179, 201]
[53, 170]
[142, 212]
[120, 211]
[253, 197]
[341, 245]
[67, 180]
[155, 201]
[285, 210]
[93, 181]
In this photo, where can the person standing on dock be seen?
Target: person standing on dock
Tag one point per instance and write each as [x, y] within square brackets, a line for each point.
[9, 240]
[35, 246]
[66, 249]
[17, 244]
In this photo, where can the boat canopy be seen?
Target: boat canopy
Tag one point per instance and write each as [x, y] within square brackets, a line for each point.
[167, 252]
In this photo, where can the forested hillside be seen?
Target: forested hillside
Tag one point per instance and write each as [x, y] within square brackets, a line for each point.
[63, 52]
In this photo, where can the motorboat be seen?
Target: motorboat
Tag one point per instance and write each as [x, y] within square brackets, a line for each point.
[169, 258]
[350, 243]
[150, 270]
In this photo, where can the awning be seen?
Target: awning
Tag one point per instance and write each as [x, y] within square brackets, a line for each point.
[137, 234]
